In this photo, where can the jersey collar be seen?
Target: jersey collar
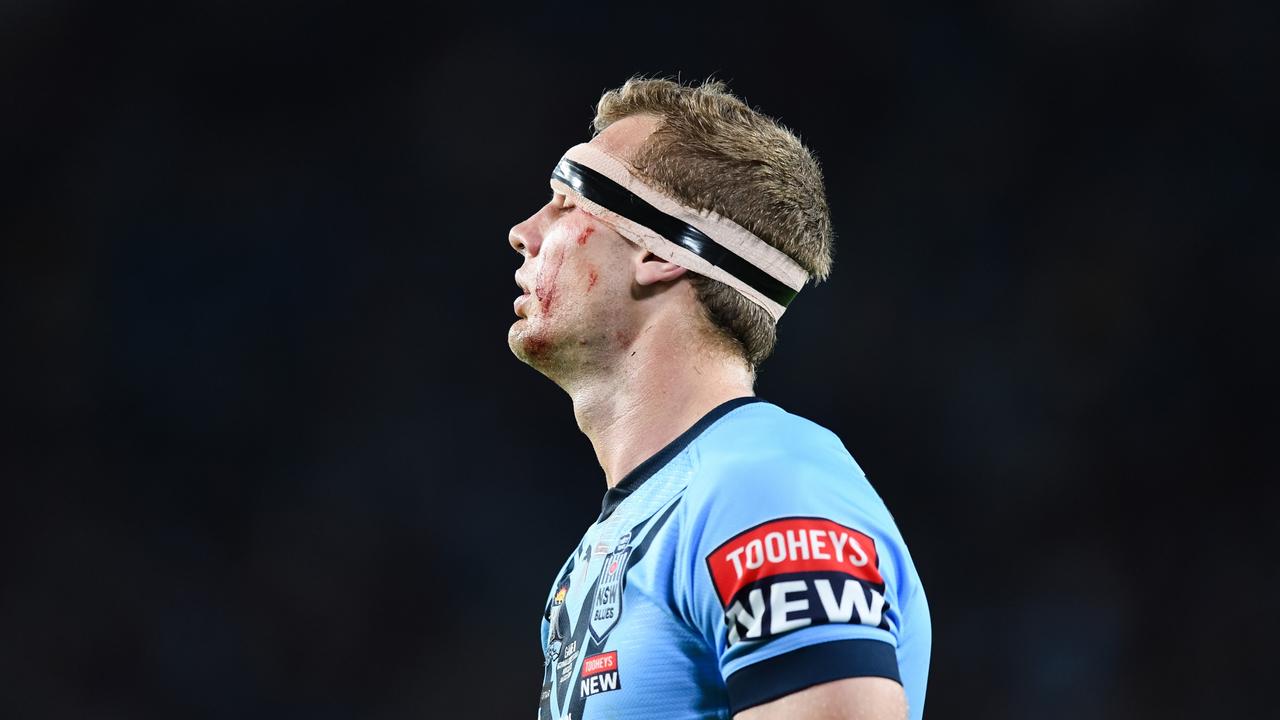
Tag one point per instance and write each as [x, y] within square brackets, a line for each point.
[645, 470]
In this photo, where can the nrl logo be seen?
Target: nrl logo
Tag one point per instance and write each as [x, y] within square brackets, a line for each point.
[607, 605]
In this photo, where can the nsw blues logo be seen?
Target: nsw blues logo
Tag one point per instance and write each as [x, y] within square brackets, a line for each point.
[606, 607]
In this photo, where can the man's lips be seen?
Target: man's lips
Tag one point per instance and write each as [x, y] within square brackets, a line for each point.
[524, 295]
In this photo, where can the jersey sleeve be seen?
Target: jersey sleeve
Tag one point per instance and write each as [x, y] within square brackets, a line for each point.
[792, 569]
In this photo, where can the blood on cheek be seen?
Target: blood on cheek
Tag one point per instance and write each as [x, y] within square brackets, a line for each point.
[547, 290]
[545, 285]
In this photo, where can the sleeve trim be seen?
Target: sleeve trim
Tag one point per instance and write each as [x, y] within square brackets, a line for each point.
[811, 665]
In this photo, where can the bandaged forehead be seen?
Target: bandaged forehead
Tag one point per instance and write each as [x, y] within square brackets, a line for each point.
[702, 241]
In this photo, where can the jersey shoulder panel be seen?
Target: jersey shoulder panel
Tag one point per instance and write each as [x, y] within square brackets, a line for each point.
[791, 553]
[779, 459]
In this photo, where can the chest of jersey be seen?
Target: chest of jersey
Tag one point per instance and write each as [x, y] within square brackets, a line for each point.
[612, 643]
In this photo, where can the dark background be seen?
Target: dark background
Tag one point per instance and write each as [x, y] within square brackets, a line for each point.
[265, 453]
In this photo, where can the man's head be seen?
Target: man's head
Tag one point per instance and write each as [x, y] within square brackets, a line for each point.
[591, 289]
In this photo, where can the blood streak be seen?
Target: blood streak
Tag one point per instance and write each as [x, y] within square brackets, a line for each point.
[592, 277]
[586, 233]
[545, 288]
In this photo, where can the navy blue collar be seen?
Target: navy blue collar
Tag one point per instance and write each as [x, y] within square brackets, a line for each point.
[658, 460]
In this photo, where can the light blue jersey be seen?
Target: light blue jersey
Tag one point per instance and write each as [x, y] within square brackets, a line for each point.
[747, 560]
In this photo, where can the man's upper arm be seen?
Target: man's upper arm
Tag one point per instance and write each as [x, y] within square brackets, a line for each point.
[789, 587]
[858, 698]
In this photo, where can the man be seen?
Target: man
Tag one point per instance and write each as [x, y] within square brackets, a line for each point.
[742, 566]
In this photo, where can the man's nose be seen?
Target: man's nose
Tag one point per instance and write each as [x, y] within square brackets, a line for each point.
[525, 238]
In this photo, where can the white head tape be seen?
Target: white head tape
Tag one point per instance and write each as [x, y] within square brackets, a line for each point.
[700, 240]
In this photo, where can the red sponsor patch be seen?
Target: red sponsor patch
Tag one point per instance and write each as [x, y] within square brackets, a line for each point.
[597, 664]
[792, 545]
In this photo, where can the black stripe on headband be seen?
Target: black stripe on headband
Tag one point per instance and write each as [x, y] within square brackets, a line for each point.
[608, 194]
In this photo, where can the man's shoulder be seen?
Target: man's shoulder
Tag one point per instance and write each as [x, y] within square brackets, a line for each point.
[764, 466]
[761, 448]
[763, 433]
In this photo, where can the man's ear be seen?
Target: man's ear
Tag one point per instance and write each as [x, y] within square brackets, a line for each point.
[651, 270]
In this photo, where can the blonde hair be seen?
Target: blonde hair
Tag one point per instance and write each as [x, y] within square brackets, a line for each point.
[713, 152]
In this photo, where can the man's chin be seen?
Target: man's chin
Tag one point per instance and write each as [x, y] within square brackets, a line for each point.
[527, 343]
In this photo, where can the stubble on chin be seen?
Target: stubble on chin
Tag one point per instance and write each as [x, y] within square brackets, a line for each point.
[530, 344]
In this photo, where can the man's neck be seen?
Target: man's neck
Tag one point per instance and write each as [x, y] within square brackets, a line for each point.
[659, 388]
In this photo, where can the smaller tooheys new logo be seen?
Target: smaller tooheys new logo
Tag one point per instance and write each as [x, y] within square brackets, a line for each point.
[599, 674]
[789, 573]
